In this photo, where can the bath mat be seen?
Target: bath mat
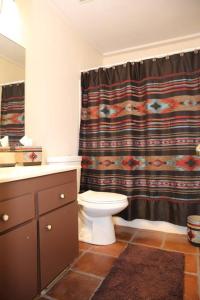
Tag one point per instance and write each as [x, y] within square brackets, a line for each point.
[144, 273]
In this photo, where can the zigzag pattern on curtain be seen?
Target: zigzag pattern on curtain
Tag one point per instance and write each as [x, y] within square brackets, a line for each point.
[139, 129]
[12, 113]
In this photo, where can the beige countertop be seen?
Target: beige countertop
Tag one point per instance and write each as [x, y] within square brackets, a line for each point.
[21, 172]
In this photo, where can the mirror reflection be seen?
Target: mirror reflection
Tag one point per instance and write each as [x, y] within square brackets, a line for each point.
[12, 96]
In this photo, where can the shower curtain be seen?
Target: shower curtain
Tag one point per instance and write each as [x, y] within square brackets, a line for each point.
[140, 126]
[12, 112]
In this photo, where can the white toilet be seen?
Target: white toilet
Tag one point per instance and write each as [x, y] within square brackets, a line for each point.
[95, 209]
[95, 216]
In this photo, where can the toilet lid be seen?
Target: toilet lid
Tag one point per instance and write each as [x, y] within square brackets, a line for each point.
[101, 197]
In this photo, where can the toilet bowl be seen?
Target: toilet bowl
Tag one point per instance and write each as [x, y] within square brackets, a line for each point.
[95, 208]
[95, 216]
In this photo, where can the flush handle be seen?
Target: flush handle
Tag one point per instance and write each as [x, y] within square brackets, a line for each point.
[62, 196]
[5, 217]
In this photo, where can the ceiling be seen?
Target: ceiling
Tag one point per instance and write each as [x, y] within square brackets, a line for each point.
[12, 51]
[115, 25]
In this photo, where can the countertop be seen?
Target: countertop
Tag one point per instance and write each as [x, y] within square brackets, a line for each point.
[24, 172]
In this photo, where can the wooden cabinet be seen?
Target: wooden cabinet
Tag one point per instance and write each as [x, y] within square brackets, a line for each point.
[55, 197]
[38, 233]
[58, 241]
[18, 263]
[16, 211]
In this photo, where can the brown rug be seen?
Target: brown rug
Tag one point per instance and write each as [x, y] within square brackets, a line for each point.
[144, 273]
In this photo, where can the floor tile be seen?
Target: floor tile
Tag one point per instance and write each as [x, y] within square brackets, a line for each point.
[113, 249]
[190, 287]
[190, 263]
[99, 260]
[124, 233]
[75, 286]
[180, 243]
[148, 237]
[84, 246]
[95, 264]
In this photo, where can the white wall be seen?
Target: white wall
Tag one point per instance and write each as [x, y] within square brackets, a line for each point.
[55, 54]
[153, 50]
[11, 23]
[10, 71]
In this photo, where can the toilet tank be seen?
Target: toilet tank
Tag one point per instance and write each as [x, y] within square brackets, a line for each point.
[68, 161]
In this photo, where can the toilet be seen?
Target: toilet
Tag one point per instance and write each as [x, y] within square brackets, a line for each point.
[95, 208]
[95, 216]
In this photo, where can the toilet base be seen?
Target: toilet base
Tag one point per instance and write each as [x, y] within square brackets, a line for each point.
[97, 231]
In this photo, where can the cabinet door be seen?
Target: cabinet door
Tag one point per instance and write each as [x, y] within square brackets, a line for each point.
[18, 263]
[58, 241]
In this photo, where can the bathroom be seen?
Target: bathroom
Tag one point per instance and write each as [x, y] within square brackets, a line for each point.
[57, 50]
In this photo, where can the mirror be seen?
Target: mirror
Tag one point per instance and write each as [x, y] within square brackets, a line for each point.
[12, 76]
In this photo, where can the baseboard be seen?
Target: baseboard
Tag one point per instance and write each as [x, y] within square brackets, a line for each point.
[151, 225]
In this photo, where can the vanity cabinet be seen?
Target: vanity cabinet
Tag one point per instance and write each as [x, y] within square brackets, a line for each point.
[58, 241]
[38, 232]
[18, 263]
[16, 211]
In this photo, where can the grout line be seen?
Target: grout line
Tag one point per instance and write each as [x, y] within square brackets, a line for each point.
[104, 254]
[96, 289]
[77, 259]
[163, 241]
[88, 274]
[185, 253]
[151, 246]
[133, 236]
[190, 273]
[107, 254]
[49, 298]
[120, 240]
[123, 241]
[54, 282]
[141, 244]
[91, 245]
[157, 247]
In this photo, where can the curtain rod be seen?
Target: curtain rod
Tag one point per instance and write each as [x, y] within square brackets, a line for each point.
[141, 59]
[10, 83]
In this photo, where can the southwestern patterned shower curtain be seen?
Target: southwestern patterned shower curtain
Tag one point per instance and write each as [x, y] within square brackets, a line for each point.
[139, 129]
[12, 112]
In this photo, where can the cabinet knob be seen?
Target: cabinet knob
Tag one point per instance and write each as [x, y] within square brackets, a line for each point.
[48, 227]
[5, 217]
[62, 196]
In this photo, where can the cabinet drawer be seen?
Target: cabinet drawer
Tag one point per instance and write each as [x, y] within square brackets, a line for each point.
[58, 241]
[56, 197]
[16, 211]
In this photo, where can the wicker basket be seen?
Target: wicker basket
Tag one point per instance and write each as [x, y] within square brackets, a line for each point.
[193, 229]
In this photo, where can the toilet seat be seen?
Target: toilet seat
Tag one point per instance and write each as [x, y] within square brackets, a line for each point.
[94, 197]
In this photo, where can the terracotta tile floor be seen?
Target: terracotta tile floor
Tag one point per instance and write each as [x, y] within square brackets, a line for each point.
[94, 262]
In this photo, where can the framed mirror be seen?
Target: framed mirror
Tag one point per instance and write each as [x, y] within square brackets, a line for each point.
[12, 87]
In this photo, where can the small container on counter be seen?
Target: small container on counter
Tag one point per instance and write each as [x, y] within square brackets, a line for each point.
[28, 156]
[193, 229]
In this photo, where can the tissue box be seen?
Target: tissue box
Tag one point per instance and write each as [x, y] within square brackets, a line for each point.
[7, 157]
[28, 156]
